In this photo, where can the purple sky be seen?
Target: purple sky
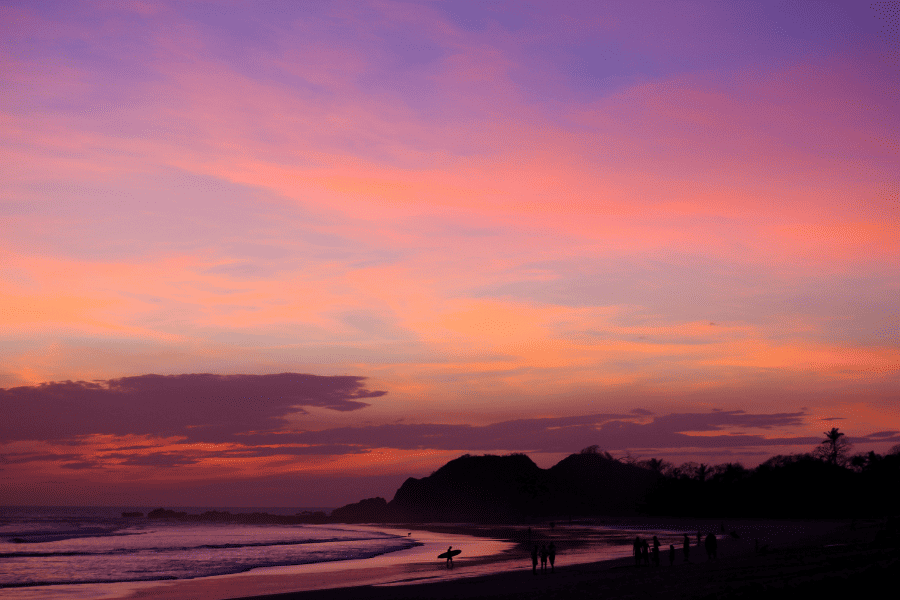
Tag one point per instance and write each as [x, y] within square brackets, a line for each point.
[285, 253]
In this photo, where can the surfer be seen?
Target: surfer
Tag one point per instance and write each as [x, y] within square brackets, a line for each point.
[449, 554]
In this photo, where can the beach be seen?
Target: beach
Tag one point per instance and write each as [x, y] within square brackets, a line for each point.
[827, 558]
[594, 559]
[496, 564]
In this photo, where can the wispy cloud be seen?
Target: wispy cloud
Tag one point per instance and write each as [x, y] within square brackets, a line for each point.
[488, 209]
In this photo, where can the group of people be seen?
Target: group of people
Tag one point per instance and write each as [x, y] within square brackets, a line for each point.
[643, 553]
[545, 553]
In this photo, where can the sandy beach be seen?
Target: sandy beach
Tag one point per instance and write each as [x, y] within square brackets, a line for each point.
[799, 559]
[496, 564]
[594, 560]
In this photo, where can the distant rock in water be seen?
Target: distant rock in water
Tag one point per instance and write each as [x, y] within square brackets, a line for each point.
[256, 518]
[163, 513]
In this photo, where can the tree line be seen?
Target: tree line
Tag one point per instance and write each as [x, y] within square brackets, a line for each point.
[827, 482]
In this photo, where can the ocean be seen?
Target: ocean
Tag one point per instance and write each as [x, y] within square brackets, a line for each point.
[91, 553]
[42, 547]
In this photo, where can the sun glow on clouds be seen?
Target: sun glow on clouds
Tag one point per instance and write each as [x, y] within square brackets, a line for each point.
[530, 211]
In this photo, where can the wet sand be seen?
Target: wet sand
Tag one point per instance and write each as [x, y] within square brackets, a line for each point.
[799, 560]
[414, 564]
[496, 564]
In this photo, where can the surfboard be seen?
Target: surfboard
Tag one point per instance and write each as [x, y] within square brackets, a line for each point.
[450, 554]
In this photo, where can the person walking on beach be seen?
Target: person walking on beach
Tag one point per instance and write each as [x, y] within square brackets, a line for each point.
[543, 558]
[449, 558]
[534, 555]
[637, 550]
[655, 551]
[645, 552]
[551, 554]
[687, 548]
[711, 547]
[671, 554]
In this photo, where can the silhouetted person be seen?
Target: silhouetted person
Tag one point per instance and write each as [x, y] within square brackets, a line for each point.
[543, 558]
[645, 552]
[534, 555]
[671, 554]
[711, 547]
[687, 548]
[551, 554]
[655, 551]
[636, 549]
[449, 558]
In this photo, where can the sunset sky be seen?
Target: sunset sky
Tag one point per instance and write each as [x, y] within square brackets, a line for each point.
[290, 253]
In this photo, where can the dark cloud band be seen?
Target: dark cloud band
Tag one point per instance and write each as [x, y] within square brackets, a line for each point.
[199, 407]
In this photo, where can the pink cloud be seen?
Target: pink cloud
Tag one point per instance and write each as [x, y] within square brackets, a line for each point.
[431, 222]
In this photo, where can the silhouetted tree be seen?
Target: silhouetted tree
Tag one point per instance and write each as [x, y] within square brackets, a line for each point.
[783, 460]
[865, 461]
[656, 465]
[729, 472]
[628, 459]
[687, 470]
[703, 471]
[595, 449]
[834, 449]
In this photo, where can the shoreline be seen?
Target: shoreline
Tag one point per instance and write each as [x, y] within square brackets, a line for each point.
[827, 556]
[593, 554]
[488, 549]
[416, 563]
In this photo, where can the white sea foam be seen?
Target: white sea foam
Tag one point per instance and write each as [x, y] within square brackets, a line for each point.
[42, 549]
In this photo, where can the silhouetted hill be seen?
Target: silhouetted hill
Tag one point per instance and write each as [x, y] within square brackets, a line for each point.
[498, 489]
[476, 488]
[591, 484]
[370, 510]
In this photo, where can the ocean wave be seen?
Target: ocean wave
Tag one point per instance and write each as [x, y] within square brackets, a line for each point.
[187, 566]
[161, 549]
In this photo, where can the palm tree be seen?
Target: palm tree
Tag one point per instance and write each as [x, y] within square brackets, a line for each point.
[703, 472]
[834, 448]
